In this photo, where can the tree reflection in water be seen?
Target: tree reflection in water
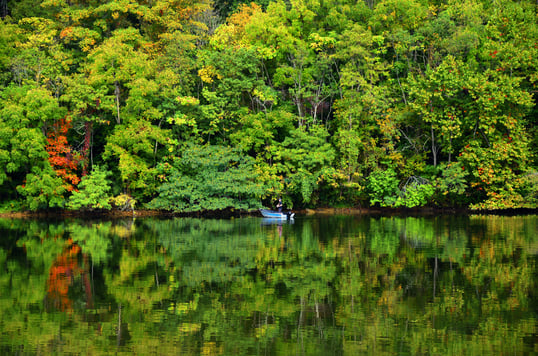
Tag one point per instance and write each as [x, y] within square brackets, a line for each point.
[69, 280]
[331, 285]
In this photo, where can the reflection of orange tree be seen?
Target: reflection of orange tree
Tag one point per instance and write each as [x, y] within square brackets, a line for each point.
[66, 272]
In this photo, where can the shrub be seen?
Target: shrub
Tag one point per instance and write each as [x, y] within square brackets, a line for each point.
[92, 192]
[417, 191]
[209, 178]
[382, 187]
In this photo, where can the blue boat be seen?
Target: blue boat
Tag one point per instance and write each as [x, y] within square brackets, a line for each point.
[277, 215]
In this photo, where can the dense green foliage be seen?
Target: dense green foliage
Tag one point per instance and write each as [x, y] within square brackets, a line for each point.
[390, 103]
[340, 285]
[93, 192]
[209, 178]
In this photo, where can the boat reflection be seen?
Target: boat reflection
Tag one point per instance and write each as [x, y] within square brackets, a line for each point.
[276, 221]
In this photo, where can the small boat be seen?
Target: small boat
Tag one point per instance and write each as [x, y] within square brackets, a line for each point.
[277, 215]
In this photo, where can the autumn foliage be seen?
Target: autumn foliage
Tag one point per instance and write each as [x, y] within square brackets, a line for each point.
[65, 270]
[61, 157]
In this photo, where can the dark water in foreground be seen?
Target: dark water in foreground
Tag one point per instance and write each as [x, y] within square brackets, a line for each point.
[337, 285]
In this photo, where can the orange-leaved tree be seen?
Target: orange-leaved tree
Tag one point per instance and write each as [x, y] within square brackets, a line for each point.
[62, 158]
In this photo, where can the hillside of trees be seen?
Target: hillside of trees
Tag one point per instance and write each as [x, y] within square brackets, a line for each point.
[193, 105]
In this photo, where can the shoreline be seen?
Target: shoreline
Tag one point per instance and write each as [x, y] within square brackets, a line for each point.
[232, 213]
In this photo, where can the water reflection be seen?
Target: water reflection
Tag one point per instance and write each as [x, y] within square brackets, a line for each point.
[68, 283]
[271, 221]
[331, 285]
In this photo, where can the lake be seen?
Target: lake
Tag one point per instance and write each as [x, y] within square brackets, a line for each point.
[325, 285]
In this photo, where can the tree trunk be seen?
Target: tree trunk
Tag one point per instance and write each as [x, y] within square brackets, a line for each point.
[117, 93]
[88, 128]
[434, 149]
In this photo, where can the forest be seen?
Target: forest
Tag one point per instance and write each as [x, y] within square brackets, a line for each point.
[194, 105]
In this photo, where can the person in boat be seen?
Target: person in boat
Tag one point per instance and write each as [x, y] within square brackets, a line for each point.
[279, 205]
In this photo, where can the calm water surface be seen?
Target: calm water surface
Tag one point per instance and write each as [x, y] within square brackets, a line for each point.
[340, 285]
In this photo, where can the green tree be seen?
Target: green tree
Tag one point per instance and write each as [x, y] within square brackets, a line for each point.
[305, 159]
[480, 115]
[209, 178]
[24, 157]
[93, 192]
[9, 35]
[124, 75]
[361, 116]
